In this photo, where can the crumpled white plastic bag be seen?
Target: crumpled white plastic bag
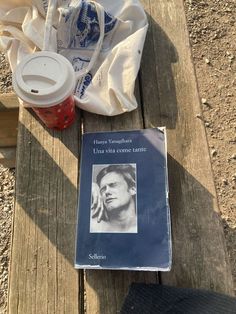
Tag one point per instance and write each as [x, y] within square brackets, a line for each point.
[103, 40]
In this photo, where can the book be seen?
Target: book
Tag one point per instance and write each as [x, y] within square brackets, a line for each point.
[123, 210]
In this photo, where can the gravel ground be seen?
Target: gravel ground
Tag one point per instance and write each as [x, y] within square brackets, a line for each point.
[7, 183]
[6, 77]
[212, 33]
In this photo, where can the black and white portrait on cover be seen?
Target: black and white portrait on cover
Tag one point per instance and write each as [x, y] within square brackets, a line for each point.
[113, 199]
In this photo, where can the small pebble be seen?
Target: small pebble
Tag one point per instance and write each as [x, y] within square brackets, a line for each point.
[225, 182]
[207, 61]
[213, 153]
[199, 116]
[204, 100]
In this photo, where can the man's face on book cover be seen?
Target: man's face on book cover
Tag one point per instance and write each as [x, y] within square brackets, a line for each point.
[115, 192]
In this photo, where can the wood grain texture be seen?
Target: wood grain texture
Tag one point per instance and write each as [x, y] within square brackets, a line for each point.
[8, 101]
[8, 157]
[170, 98]
[8, 127]
[42, 274]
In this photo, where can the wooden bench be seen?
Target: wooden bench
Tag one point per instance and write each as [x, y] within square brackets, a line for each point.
[42, 274]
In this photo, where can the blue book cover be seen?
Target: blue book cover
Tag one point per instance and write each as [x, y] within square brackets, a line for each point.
[123, 210]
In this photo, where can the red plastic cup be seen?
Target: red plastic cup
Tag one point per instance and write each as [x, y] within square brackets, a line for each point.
[45, 81]
[59, 116]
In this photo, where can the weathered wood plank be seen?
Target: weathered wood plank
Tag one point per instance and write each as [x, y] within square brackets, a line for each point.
[106, 290]
[8, 127]
[8, 101]
[170, 97]
[42, 274]
[8, 157]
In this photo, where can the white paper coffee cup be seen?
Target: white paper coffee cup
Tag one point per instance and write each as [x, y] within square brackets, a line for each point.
[44, 79]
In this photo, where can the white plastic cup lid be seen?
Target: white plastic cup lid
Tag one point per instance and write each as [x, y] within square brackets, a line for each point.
[44, 79]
